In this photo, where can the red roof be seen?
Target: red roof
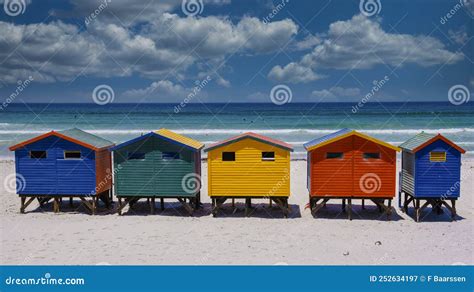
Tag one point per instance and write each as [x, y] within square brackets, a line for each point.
[251, 135]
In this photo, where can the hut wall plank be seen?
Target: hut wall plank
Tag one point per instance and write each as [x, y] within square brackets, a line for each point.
[435, 179]
[249, 175]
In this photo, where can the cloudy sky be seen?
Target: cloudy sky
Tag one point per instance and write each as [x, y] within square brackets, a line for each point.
[158, 51]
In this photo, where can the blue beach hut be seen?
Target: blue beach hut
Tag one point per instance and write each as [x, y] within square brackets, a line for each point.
[70, 163]
[431, 172]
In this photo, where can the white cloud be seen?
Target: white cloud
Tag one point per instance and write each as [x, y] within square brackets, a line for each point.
[162, 90]
[164, 48]
[459, 37]
[308, 42]
[293, 72]
[335, 92]
[361, 43]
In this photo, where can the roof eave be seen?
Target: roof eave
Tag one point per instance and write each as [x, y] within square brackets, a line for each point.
[53, 133]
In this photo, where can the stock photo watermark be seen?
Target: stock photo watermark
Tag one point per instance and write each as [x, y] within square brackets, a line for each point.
[377, 85]
[191, 183]
[370, 183]
[458, 6]
[46, 280]
[103, 94]
[370, 7]
[14, 7]
[192, 7]
[459, 94]
[281, 94]
[14, 183]
[91, 17]
[279, 7]
[200, 84]
[21, 86]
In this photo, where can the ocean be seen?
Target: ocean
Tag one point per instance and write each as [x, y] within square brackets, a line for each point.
[295, 123]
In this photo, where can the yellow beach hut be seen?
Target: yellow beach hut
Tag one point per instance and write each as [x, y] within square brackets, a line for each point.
[249, 166]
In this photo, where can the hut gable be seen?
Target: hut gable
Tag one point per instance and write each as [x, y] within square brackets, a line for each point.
[251, 165]
[250, 135]
[74, 135]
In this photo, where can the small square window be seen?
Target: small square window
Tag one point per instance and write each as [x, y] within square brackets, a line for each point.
[136, 155]
[438, 156]
[38, 154]
[228, 156]
[372, 155]
[170, 155]
[268, 156]
[72, 154]
[334, 155]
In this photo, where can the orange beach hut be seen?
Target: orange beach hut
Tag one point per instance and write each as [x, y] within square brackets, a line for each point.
[350, 165]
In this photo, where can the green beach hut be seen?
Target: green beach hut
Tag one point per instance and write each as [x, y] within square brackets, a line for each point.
[160, 164]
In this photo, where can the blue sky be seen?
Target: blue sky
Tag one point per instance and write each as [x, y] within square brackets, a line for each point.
[159, 51]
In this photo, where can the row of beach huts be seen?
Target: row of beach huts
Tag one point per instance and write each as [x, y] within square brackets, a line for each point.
[345, 165]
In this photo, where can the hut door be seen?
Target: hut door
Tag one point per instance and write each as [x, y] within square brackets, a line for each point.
[332, 169]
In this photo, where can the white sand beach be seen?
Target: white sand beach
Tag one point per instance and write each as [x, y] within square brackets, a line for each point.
[41, 237]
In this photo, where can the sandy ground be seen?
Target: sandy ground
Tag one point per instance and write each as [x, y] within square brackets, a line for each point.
[171, 237]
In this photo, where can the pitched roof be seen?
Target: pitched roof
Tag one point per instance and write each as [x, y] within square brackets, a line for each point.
[423, 139]
[325, 138]
[168, 136]
[73, 135]
[180, 138]
[341, 134]
[251, 135]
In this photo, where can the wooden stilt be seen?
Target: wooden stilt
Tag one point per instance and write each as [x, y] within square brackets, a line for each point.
[316, 207]
[389, 211]
[152, 206]
[119, 206]
[248, 206]
[453, 212]
[94, 205]
[417, 210]
[343, 205]
[186, 205]
[22, 207]
[162, 204]
[56, 205]
[233, 203]
[270, 203]
[70, 202]
[287, 209]
[349, 211]
[197, 201]
[363, 204]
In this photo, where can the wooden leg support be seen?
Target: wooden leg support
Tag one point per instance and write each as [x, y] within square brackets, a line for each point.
[343, 205]
[152, 206]
[386, 209]
[122, 205]
[283, 204]
[417, 210]
[315, 207]
[25, 203]
[349, 207]
[363, 204]
[162, 204]
[216, 204]
[186, 206]
[56, 205]
[248, 206]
